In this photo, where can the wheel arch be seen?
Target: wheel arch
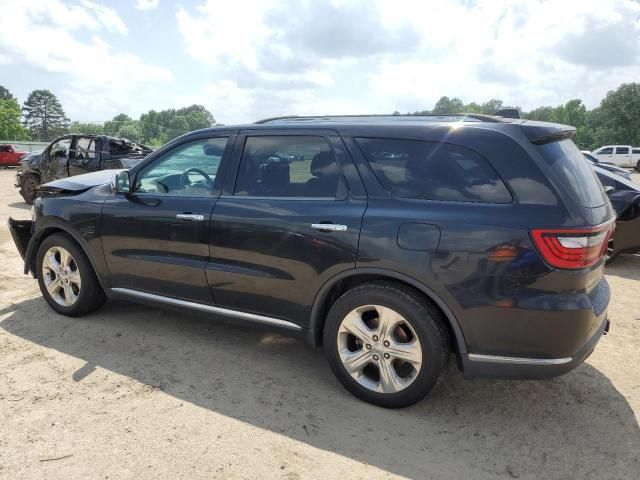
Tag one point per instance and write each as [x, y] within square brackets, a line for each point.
[51, 227]
[344, 281]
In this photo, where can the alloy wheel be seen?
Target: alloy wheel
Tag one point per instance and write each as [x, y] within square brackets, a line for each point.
[61, 276]
[379, 348]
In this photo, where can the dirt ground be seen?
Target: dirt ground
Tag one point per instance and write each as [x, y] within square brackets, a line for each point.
[135, 392]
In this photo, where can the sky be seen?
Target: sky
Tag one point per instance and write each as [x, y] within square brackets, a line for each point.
[245, 60]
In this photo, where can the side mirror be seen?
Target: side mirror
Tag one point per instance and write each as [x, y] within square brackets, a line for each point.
[609, 188]
[122, 183]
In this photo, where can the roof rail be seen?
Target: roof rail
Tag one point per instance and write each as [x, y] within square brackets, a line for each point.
[475, 116]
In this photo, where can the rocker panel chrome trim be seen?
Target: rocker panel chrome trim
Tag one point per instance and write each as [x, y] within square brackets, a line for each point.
[207, 308]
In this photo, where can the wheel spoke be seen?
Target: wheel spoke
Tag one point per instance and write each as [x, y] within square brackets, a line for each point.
[50, 261]
[354, 362]
[408, 352]
[69, 295]
[387, 319]
[390, 382]
[74, 278]
[53, 286]
[65, 258]
[354, 325]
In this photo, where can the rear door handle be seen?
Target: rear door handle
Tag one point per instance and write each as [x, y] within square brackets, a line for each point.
[193, 217]
[329, 227]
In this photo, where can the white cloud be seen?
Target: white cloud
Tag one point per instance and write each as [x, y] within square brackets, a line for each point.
[94, 73]
[378, 56]
[147, 4]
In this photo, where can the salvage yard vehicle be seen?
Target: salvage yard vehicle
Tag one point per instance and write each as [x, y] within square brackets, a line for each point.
[624, 195]
[390, 241]
[75, 154]
[10, 155]
[593, 160]
[620, 155]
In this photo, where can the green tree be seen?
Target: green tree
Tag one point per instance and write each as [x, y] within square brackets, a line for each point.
[130, 132]
[5, 94]
[44, 116]
[619, 115]
[87, 128]
[10, 126]
[112, 127]
[448, 106]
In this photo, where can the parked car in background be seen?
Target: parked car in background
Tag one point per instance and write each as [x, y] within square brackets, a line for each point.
[74, 154]
[606, 165]
[619, 155]
[10, 155]
[391, 241]
[624, 195]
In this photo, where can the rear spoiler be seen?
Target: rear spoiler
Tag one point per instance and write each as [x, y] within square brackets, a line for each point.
[540, 133]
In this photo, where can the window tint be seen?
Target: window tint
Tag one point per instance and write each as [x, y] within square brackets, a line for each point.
[605, 151]
[60, 149]
[187, 170]
[622, 150]
[4, 148]
[287, 166]
[85, 148]
[636, 151]
[578, 178]
[433, 171]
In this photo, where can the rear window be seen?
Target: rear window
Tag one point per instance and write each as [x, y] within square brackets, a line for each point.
[433, 171]
[636, 150]
[575, 175]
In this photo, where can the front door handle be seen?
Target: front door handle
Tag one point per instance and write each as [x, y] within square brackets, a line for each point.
[193, 217]
[329, 227]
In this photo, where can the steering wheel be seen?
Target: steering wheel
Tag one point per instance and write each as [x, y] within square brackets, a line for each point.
[184, 178]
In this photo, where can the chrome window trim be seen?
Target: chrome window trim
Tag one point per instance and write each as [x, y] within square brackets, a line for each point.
[475, 357]
[208, 308]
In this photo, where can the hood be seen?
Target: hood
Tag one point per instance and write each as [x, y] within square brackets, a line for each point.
[79, 183]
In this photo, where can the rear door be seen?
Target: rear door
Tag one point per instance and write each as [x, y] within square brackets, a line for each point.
[83, 157]
[289, 222]
[622, 157]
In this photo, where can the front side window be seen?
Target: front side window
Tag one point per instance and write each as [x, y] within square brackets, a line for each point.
[60, 149]
[188, 170]
[85, 149]
[5, 148]
[288, 166]
[433, 171]
[605, 151]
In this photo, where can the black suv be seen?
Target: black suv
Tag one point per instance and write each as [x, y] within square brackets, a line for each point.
[392, 241]
[76, 154]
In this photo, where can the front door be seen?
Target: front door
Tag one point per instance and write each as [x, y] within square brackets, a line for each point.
[156, 239]
[55, 162]
[289, 223]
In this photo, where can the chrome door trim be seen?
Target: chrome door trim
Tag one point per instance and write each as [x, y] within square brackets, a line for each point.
[207, 308]
[194, 217]
[475, 357]
[329, 227]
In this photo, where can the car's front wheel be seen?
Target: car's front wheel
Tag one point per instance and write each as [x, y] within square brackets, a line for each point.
[29, 183]
[66, 277]
[386, 344]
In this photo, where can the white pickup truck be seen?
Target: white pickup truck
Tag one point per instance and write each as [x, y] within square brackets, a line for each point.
[620, 155]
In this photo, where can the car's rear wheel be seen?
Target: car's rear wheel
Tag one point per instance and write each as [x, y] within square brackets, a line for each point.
[29, 184]
[386, 345]
[66, 277]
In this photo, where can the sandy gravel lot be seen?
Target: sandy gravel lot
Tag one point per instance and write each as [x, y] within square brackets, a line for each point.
[135, 392]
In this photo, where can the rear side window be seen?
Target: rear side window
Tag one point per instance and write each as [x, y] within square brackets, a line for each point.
[433, 171]
[636, 151]
[576, 176]
[622, 150]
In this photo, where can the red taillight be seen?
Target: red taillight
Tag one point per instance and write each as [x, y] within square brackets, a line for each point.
[572, 248]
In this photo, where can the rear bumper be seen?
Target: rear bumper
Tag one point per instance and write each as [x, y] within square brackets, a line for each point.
[21, 231]
[490, 366]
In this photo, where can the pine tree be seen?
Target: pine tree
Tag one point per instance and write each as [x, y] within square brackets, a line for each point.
[43, 115]
[5, 94]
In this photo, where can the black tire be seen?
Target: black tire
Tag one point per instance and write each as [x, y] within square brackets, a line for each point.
[638, 166]
[424, 318]
[28, 185]
[90, 296]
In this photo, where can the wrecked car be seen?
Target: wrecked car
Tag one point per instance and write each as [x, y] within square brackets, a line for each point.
[625, 198]
[75, 154]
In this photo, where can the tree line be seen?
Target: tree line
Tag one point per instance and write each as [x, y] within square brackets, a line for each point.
[615, 121]
[42, 118]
